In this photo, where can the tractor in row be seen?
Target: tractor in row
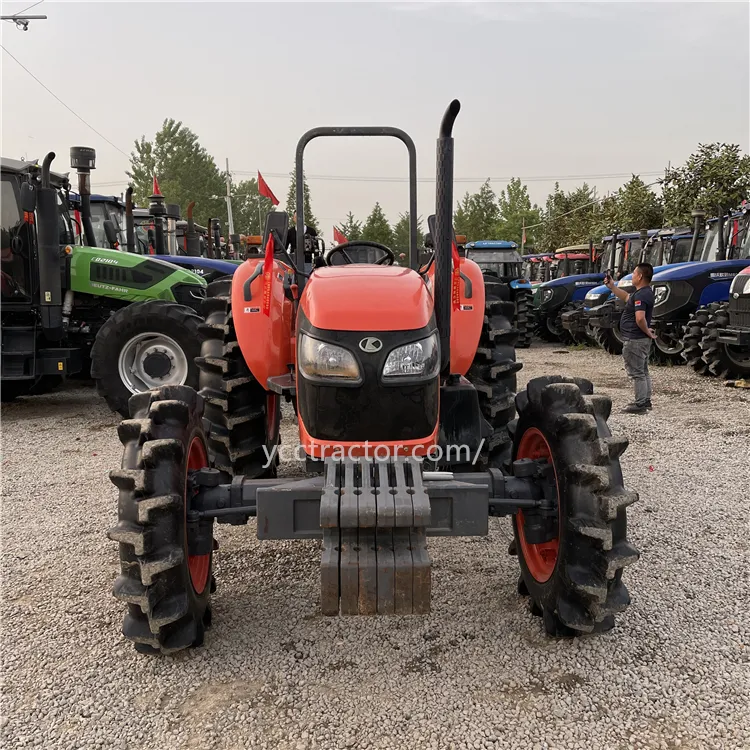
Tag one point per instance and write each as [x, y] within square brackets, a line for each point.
[403, 382]
[67, 308]
[501, 267]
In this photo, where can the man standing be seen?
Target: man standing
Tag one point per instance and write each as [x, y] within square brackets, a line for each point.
[635, 329]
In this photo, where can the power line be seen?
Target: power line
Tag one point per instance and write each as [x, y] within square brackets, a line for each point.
[535, 178]
[33, 5]
[72, 111]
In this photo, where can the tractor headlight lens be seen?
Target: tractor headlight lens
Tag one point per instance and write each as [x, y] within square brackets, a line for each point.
[325, 361]
[592, 296]
[547, 295]
[629, 288]
[661, 293]
[418, 360]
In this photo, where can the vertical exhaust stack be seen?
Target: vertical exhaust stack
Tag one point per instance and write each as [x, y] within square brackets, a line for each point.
[210, 240]
[48, 248]
[192, 241]
[217, 237]
[699, 219]
[129, 223]
[158, 210]
[613, 255]
[644, 246]
[444, 232]
[722, 251]
[83, 160]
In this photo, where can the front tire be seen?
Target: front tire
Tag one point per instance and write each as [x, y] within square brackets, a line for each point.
[724, 360]
[573, 571]
[523, 317]
[166, 589]
[667, 350]
[695, 329]
[144, 346]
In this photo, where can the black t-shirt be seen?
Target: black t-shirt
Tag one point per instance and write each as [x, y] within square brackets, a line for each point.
[641, 299]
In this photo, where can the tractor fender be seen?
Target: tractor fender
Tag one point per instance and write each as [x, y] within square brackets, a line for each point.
[264, 339]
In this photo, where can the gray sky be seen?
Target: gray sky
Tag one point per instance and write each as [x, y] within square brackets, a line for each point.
[547, 89]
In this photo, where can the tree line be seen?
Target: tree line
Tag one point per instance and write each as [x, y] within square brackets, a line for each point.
[716, 177]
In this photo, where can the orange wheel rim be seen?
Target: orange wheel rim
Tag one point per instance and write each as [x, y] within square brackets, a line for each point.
[198, 565]
[540, 558]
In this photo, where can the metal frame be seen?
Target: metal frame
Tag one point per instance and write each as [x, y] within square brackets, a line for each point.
[355, 131]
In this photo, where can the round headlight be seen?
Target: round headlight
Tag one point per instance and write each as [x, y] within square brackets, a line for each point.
[661, 293]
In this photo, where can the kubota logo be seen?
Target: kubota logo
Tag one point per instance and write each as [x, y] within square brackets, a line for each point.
[370, 345]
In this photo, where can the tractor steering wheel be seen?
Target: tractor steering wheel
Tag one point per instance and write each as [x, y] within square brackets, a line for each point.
[387, 259]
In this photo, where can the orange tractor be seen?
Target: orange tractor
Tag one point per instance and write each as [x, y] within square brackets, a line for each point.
[403, 382]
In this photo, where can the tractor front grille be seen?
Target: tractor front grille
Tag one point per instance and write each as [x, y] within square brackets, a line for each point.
[739, 312]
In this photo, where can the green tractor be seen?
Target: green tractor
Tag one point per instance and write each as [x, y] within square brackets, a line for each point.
[128, 319]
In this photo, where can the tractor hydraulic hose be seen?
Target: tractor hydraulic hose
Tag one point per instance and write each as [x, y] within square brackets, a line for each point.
[48, 248]
[192, 241]
[444, 232]
[722, 252]
[698, 218]
[129, 224]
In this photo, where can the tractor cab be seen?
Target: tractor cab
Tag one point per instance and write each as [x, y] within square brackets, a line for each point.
[497, 257]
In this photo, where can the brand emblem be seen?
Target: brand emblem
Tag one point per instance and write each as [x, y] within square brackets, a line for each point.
[370, 345]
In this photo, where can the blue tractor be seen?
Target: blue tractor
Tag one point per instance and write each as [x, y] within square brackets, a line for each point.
[695, 300]
[598, 319]
[501, 267]
[578, 271]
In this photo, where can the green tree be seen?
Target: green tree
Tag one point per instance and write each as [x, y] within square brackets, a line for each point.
[377, 228]
[569, 218]
[477, 214]
[716, 175]
[351, 228]
[516, 212]
[401, 237]
[632, 208]
[185, 170]
[245, 202]
[291, 201]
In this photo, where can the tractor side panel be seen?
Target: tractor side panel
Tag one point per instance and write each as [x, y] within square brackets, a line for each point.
[716, 292]
[466, 322]
[125, 276]
[265, 340]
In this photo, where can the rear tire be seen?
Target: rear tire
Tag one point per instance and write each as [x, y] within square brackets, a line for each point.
[241, 417]
[170, 320]
[493, 374]
[667, 351]
[167, 591]
[695, 329]
[523, 318]
[724, 360]
[609, 339]
[546, 328]
[574, 579]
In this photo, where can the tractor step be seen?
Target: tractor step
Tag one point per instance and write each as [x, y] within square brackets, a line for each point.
[374, 516]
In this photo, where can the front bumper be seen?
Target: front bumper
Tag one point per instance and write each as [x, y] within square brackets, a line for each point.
[735, 336]
[603, 316]
[575, 320]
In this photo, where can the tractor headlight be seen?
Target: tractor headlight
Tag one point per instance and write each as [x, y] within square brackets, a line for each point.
[321, 360]
[661, 293]
[418, 360]
[547, 295]
[592, 296]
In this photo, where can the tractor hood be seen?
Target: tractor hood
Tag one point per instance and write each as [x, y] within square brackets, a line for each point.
[200, 265]
[601, 289]
[367, 298]
[685, 271]
[581, 279]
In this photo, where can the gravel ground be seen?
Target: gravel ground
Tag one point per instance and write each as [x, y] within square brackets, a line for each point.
[477, 673]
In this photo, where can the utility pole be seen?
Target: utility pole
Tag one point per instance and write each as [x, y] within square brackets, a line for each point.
[229, 201]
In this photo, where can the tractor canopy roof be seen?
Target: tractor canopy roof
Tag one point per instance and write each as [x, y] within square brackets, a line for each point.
[493, 245]
[16, 166]
[630, 235]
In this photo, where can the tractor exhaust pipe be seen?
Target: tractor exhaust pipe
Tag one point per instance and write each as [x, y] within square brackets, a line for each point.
[444, 232]
[722, 251]
[210, 240]
[699, 219]
[129, 223]
[48, 247]
[217, 237]
[83, 160]
[192, 241]
[613, 255]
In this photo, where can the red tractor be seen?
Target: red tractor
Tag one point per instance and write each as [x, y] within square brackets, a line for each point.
[403, 383]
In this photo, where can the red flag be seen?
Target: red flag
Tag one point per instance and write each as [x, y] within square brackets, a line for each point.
[156, 186]
[268, 275]
[266, 191]
[338, 237]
